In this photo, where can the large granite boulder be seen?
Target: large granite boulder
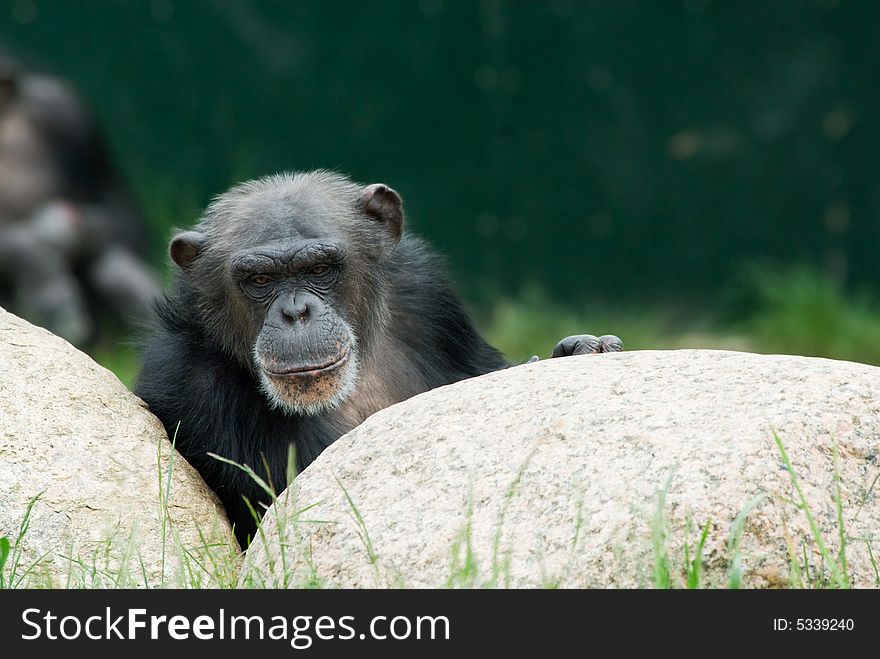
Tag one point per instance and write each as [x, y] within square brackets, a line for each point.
[597, 471]
[96, 463]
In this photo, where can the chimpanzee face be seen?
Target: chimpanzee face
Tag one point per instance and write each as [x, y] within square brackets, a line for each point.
[287, 278]
[305, 351]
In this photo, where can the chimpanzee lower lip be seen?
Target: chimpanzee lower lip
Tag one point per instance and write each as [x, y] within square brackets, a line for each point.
[310, 370]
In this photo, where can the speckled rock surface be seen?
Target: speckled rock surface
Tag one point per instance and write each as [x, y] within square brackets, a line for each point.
[71, 430]
[562, 464]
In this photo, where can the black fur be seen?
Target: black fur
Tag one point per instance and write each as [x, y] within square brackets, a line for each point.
[212, 403]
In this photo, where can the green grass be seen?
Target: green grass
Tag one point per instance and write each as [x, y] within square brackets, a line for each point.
[287, 536]
[465, 571]
[792, 310]
[832, 573]
[836, 565]
[734, 542]
[119, 357]
[694, 565]
[468, 570]
[659, 538]
[116, 561]
[116, 564]
[531, 324]
[797, 311]
[13, 572]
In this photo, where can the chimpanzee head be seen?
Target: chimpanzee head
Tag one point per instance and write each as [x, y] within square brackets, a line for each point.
[287, 273]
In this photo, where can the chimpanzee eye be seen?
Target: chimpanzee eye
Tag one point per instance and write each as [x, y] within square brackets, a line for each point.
[260, 280]
[322, 269]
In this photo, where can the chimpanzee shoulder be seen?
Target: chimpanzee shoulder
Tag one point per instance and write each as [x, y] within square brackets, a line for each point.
[430, 318]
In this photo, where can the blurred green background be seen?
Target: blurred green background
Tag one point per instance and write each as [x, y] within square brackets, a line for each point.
[683, 173]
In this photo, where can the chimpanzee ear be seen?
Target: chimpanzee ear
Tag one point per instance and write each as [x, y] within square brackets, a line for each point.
[384, 205]
[186, 247]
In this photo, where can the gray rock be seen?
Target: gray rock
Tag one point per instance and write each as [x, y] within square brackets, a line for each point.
[553, 473]
[71, 433]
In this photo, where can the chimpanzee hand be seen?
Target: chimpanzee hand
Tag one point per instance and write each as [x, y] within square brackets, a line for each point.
[586, 344]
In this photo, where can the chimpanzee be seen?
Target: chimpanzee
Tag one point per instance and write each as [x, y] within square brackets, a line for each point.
[300, 308]
[71, 238]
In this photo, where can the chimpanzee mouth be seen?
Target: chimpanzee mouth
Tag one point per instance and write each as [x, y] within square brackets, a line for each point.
[310, 370]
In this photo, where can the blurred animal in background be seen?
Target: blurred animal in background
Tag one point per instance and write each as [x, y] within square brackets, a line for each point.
[72, 241]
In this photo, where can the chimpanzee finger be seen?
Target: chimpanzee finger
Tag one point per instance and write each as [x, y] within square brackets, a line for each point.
[580, 344]
[610, 343]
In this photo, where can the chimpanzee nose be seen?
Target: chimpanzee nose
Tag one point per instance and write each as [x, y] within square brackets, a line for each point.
[296, 311]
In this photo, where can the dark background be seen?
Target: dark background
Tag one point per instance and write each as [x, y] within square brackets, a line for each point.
[611, 152]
